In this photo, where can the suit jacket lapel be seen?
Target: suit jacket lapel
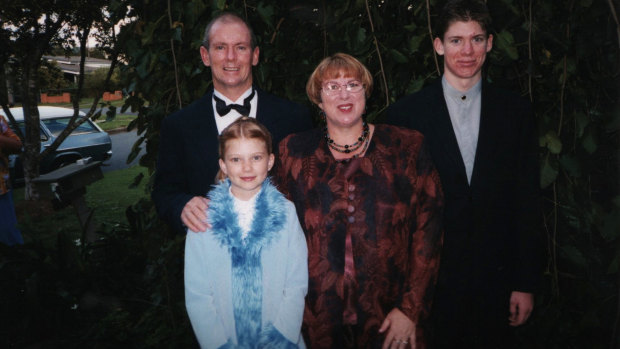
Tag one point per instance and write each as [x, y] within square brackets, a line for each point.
[444, 131]
[263, 111]
[209, 118]
[208, 127]
[486, 135]
[205, 129]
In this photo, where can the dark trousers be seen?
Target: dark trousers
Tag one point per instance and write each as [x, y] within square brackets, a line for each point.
[474, 322]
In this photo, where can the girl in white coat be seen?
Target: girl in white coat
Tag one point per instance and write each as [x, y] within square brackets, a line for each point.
[247, 275]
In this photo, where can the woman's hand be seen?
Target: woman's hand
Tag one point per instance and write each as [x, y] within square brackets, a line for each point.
[401, 330]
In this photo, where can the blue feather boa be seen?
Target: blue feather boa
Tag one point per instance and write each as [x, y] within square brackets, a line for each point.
[269, 219]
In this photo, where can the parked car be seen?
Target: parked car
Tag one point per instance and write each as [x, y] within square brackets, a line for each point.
[87, 140]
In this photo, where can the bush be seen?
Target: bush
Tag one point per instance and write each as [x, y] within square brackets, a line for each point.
[95, 82]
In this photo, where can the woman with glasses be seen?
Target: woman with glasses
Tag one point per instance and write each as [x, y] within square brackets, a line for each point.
[369, 201]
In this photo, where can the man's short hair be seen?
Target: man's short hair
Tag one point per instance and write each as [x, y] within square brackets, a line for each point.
[463, 11]
[228, 17]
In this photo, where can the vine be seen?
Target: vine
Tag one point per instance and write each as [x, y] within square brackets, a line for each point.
[612, 9]
[430, 34]
[174, 58]
[381, 68]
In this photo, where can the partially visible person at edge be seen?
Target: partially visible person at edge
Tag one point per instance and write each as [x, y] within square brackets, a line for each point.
[187, 162]
[247, 275]
[9, 144]
[369, 200]
[483, 141]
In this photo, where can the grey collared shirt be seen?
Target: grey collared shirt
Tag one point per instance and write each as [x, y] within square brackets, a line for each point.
[464, 109]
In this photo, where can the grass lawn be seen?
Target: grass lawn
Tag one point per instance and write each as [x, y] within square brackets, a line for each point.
[108, 197]
[120, 121]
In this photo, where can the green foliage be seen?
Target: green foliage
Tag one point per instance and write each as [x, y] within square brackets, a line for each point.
[51, 77]
[95, 82]
[124, 291]
[562, 56]
[31, 29]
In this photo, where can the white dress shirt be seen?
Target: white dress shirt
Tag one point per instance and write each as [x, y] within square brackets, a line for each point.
[245, 211]
[223, 121]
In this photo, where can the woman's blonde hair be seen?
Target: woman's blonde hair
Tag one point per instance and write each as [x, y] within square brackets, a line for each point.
[243, 127]
[335, 66]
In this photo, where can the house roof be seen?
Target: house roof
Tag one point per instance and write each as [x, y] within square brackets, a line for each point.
[71, 64]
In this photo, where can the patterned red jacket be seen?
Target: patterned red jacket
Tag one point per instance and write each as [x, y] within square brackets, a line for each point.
[386, 209]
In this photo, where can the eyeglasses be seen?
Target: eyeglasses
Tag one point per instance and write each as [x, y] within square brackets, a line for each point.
[332, 88]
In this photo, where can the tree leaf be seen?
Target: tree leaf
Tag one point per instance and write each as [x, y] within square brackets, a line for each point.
[410, 27]
[266, 14]
[398, 57]
[589, 141]
[505, 42]
[415, 85]
[177, 33]
[582, 121]
[571, 165]
[613, 266]
[221, 4]
[614, 123]
[548, 174]
[610, 227]
[361, 35]
[552, 142]
[414, 42]
[574, 255]
[110, 114]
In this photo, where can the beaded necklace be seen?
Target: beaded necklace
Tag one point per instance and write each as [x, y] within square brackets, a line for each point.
[348, 148]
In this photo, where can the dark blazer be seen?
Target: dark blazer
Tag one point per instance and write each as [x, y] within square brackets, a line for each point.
[492, 242]
[187, 161]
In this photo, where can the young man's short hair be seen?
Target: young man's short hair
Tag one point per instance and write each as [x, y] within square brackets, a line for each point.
[463, 11]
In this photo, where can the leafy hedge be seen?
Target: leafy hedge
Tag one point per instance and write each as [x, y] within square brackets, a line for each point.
[563, 55]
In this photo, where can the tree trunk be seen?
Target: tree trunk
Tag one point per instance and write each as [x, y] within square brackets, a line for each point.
[32, 143]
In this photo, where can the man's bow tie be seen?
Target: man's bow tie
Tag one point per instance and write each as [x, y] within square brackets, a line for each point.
[223, 109]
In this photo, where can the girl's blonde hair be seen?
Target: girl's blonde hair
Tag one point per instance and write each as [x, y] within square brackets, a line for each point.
[243, 127]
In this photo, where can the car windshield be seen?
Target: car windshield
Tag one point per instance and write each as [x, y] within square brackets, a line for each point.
[57, 125]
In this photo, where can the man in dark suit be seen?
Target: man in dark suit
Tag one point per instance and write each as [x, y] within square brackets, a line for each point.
[187, 162]
[483, 142]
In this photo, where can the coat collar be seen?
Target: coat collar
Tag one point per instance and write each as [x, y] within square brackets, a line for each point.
[269, 218]
[486, 135]
[444, 131]
[491, 113]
